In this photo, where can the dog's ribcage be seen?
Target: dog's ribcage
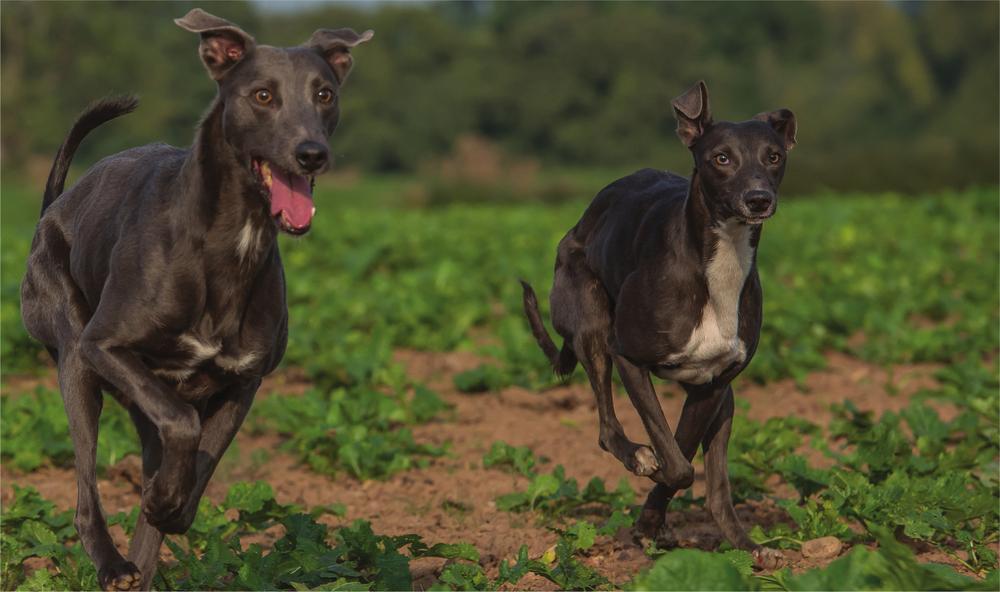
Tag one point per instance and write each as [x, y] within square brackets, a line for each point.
[714, 343]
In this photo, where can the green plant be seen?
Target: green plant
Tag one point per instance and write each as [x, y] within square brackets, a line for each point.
[210, 556]
[517, 459]
[359, 430]
[34, 431]
[556, 497]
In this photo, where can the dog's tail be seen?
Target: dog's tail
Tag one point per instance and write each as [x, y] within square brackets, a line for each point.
[100, 111]
[563, 361]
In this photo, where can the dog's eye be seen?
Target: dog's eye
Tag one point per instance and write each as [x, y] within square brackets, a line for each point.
[325, 96]
[774, 158]
[721, 159]
[263, 96]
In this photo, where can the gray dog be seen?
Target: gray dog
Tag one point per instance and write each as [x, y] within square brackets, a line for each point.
[157, 276]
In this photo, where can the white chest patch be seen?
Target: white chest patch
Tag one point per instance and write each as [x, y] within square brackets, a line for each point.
[237, 363]
[246, 244]
[714, 344]
[200, 350]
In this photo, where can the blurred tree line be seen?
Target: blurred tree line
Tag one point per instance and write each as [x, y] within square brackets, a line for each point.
[896, 95]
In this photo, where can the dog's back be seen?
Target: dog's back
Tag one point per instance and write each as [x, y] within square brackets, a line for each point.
[626, 219]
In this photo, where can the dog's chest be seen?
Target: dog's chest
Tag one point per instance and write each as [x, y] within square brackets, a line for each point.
[714, 344]
[203, 365]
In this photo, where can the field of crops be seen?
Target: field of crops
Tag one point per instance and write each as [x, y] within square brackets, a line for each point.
[415, 437]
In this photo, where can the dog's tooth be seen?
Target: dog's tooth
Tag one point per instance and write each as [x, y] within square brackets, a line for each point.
[314, 211]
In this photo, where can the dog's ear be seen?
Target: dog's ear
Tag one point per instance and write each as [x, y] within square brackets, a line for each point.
[335, 47]
[223, 44]
[783, 122]
[693, 113]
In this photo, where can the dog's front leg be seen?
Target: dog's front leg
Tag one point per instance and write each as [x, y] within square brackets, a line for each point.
[720, 497]
[220, 422]
[675, 470]
[700, 410]
[176, 422]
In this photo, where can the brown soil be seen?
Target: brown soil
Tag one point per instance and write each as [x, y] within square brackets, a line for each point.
[452, 499]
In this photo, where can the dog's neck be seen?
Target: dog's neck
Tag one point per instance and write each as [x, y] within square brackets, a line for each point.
[227, 200]
[702, 225]
[236, 236]
[726, 248]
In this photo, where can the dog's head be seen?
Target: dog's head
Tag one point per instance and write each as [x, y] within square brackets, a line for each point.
[279, 106]
[739, 165]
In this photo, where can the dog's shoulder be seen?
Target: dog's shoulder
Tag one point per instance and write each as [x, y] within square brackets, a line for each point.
[642, 189]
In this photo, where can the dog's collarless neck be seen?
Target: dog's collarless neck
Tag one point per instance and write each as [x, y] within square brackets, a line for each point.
[225, 199]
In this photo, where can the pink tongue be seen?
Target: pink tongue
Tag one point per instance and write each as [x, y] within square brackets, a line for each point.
[293, 196]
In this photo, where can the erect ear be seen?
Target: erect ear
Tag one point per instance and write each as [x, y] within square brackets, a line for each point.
[223, 44]
[783, 122]
[693, 113]
[335, 47]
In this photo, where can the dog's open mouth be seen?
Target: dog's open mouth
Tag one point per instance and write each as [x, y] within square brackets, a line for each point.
[290, 196]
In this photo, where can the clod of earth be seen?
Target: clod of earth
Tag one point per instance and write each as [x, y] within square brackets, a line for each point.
[822, 548]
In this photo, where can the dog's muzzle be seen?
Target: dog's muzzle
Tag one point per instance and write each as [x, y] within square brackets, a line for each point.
[758, 205]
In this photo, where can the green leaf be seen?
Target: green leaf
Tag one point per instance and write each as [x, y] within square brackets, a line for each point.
[687, 569]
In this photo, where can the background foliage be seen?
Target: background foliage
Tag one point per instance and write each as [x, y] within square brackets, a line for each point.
[566, 83]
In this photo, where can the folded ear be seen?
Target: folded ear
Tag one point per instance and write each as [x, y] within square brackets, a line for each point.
[335, 47]
[693, 114]
[223, 44]
[783, 122]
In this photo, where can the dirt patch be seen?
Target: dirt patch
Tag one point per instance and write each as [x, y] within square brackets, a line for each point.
[451, 499]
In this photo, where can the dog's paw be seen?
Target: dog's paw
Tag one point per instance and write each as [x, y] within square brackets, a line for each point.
[122, 575]
[650, 527]
[645, 462]
[649, 523]
[767, 559]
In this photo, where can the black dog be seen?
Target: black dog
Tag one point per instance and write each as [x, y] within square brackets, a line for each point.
[660, 276]
[157, 276]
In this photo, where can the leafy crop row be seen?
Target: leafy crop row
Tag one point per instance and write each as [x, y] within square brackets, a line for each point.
[305, 554]
[884, 277]
[359, 430]
[34, 431]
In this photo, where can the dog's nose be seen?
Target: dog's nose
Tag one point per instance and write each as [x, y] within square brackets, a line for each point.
[311, 155]
[758, 202]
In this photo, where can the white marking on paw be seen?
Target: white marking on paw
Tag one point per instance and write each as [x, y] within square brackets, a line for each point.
[645, 461]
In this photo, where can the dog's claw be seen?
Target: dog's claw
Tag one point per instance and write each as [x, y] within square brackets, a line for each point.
[122, 576]
[767, 559]
[645, 462]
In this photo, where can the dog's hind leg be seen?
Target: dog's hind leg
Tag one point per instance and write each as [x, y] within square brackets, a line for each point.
[81, 391]
[675, 470]
[720, 498]
[55, 312]
[580, 312]
[637, 458]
